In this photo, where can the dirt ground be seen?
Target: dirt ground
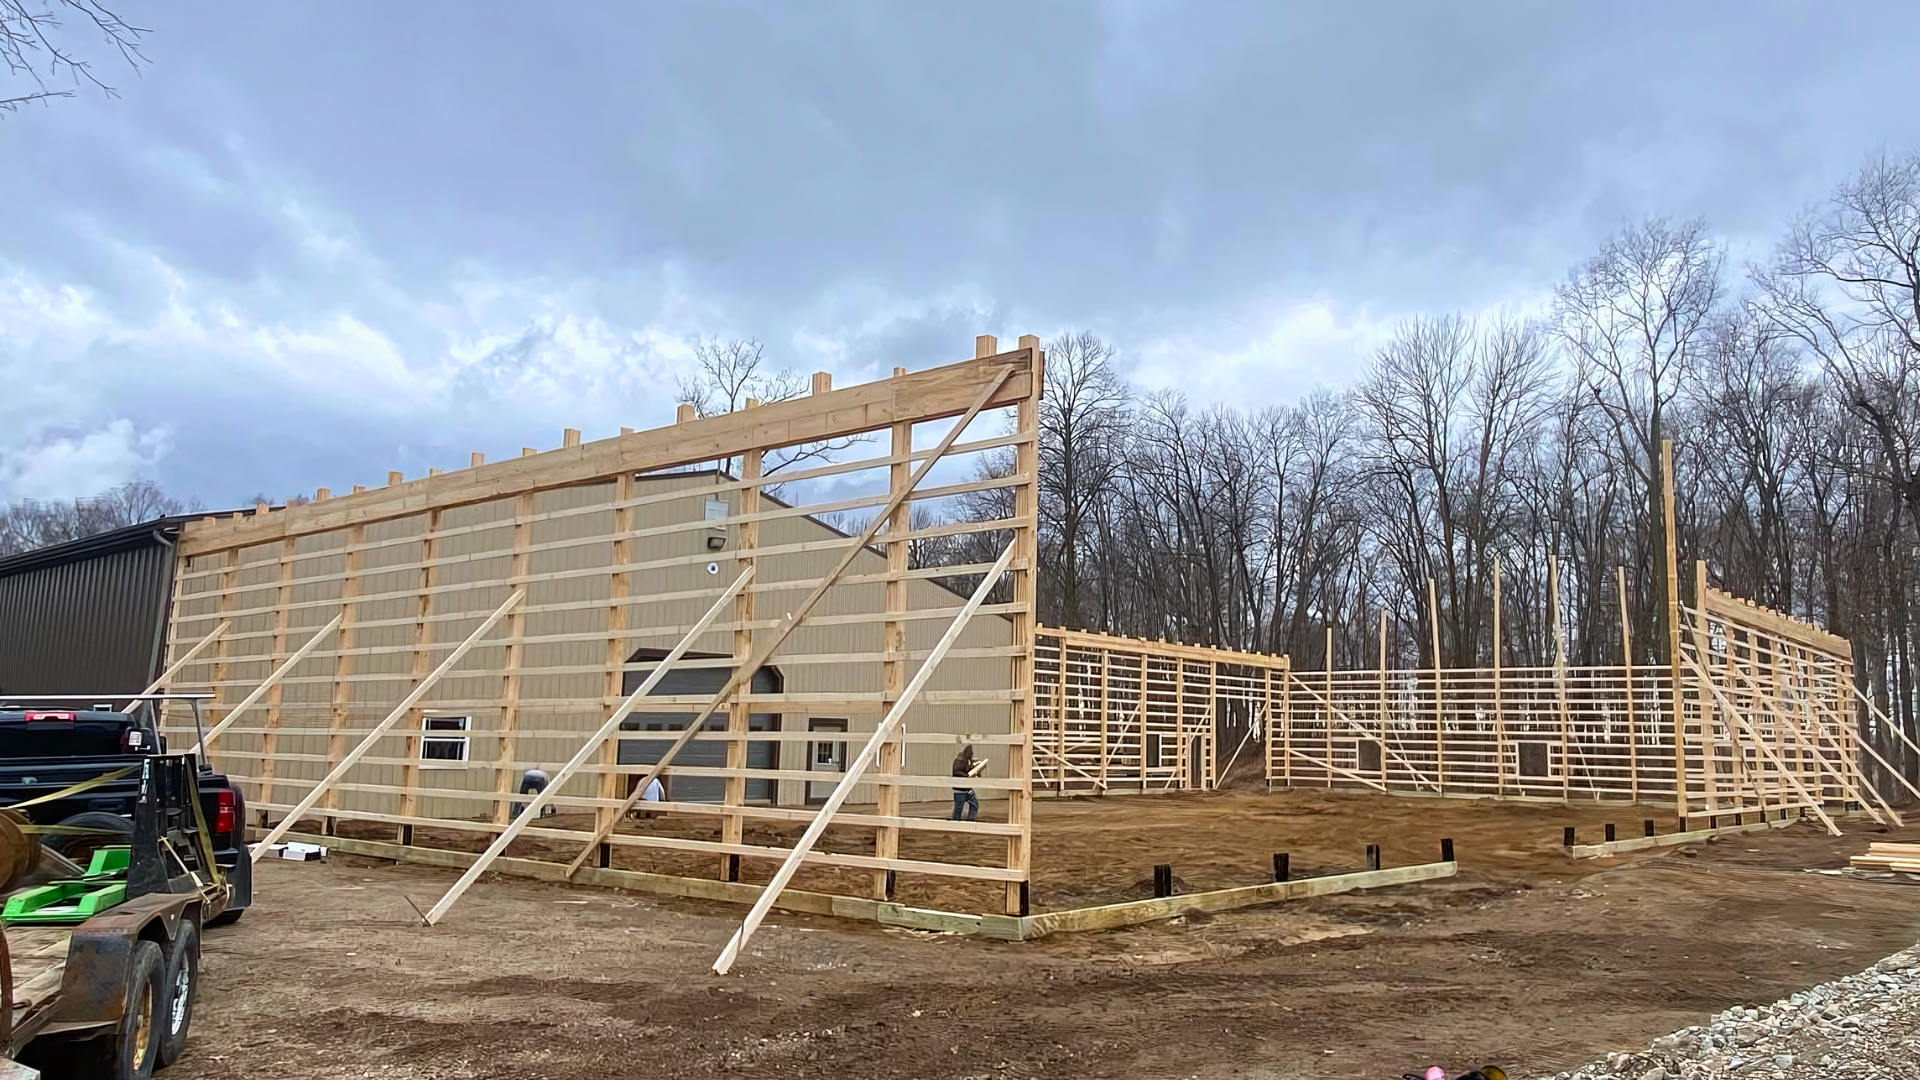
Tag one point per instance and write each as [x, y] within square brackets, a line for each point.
[1528, 959]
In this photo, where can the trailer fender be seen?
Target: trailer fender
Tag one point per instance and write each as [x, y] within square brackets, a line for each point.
[93, 991]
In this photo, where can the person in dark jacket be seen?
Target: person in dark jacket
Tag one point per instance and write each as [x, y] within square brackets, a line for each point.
[963, 797]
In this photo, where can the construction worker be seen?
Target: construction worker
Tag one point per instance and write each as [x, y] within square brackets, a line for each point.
[963, 797]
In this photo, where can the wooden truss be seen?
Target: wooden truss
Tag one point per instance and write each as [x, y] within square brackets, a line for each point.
[333, 668]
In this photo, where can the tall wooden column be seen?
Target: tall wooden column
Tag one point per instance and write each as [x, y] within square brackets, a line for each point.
[1026, 509]
[740, 710]
[340, 720]
[893, 635]
[506, 759]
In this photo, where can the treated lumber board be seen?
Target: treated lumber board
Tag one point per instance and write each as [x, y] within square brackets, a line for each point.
[1140, 911]
[795, 900]
[1695, 836]
[917, 396]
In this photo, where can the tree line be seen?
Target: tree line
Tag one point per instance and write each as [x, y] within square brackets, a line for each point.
[1790, 389]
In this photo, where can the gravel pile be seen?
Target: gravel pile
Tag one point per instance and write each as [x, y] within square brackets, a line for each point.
[1864, 1026]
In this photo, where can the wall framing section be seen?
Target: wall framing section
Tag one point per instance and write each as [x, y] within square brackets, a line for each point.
[611, 540]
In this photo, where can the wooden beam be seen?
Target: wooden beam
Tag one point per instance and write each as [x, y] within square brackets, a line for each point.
[857, 767]
[608, 731]
[271, 681]
[743, 674]
[1676, 690]
[1141, 911]
[380, 729]
[916, 397]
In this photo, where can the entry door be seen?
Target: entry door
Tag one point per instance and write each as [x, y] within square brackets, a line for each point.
[825, 757]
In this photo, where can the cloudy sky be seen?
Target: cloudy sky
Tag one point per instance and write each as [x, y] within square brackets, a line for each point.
[314, 242]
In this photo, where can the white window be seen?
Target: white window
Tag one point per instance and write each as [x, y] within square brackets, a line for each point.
[440, 744]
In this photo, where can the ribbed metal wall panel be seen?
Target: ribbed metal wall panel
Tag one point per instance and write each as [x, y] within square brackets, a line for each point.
[85, 626]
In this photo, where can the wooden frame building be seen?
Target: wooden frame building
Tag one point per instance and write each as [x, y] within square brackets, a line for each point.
[584, 566]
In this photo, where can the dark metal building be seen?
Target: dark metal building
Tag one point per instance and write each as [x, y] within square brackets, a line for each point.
[90, 615]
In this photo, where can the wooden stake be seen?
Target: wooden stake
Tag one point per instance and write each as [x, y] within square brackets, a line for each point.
[607, 733]
[373, 736]
[857, 768]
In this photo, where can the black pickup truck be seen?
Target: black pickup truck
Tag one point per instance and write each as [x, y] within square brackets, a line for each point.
[47, 750]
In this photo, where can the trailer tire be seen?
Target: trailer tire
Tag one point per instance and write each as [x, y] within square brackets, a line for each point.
[131, 1050]
[183, 989]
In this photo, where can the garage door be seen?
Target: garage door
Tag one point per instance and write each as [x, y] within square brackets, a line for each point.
[705, 682]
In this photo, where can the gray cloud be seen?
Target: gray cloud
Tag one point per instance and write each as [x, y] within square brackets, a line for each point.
[313, 243]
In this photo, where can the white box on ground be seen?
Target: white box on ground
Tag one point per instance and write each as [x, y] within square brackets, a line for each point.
[299, 852]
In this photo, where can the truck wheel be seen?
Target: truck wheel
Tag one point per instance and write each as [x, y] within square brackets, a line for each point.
[131, 1050]
[110, 830]
[183, 987]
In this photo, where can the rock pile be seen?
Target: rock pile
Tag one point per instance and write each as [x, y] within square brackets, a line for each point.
[1864, 1026]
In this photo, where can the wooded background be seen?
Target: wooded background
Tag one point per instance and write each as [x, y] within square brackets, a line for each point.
[1790, 387]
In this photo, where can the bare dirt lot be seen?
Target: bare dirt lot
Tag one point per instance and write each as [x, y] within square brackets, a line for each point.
[1529, 959]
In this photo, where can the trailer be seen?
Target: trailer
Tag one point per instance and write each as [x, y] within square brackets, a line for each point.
[101, 964]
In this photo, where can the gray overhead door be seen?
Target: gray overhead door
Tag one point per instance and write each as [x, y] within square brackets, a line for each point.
[703, 682]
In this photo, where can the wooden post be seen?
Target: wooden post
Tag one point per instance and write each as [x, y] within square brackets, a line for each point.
[1383, 693]
[619, 648]
[1286, 721]
[1329, 701]
[1499, 693]
[1560, 675]
[740, 710]
[506, 759]
[1703, 651]
[1675, 690]
[422, 642]
[1439, 701]
[1626, 669]
[893, 671]
[1026, 508]
[1106, 748]
[282, 620]
[223, 666]
[344, 702]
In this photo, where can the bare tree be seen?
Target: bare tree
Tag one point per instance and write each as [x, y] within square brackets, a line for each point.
[30, 33]
[35, 523]
[1846, 284]
[1082, 416]
[1632, 317]
[733, 373]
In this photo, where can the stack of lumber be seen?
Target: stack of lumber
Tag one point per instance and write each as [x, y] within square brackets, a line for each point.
[1904, 857]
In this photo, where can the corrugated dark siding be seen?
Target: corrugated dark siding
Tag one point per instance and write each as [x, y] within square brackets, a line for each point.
[89, 625]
